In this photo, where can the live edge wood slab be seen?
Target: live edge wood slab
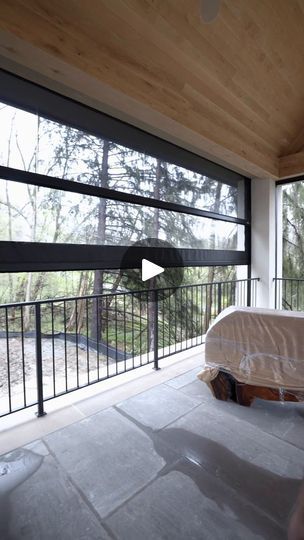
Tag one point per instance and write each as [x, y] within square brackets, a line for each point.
[225, 387]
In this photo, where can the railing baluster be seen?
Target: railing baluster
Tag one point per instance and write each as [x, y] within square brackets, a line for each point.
[191, 325]
[181, 318]
[175, 323]
[133, 340]
[87, 336]
[219, 298]
[163, 319]
[8, 361]
[156, 366]
[22, 352]
[116, 337]
[207, 295]
[196, 320]
[291, 294]
[140, 328]
[149, 328]
[186, 307]
[39, 368]
[107, 334]
[297, 284]
[202, 315]
[98, 332]
[53, 349]
[125, 331]
[76, 342]
[169, 321]
[65, 347]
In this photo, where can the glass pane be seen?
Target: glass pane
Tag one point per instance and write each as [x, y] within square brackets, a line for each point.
[292, 231]
[37, 214]
[35, 144]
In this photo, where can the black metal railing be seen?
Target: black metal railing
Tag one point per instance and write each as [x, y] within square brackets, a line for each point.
[289, 293]
[52, 347]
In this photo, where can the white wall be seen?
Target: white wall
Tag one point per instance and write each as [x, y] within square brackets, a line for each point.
[263, 239]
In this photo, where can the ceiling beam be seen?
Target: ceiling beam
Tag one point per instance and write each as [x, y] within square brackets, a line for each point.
[291, 165]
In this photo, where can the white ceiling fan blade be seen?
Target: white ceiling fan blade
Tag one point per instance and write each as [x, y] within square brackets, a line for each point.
[209, 10]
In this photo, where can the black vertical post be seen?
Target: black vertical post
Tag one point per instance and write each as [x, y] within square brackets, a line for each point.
[41, 411]
[275, 293]
[219, 298]
[249, 285]
[155, 299]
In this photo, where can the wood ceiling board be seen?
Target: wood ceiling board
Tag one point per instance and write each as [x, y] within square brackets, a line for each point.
[297, 143]
[264, 23]
[230, 42]
[232, 81]
[45, 69]
[292, 165]
[280, 132]
[282, 45]
[193, 76]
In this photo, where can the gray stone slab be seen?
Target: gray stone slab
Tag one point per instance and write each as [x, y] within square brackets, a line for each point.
[262, 468]
[38, 502]
[189, 503]
[285, 421]
[186, 378]
[108, 458]
[243, 478]
[158, 406]
[198, 390]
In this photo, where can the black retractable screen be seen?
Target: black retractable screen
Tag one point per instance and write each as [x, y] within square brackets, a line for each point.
[78, 188]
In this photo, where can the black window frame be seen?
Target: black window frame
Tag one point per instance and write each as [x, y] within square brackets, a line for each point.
[32, 256]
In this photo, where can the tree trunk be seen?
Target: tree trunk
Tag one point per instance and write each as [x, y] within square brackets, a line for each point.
[211, 271]
[33, 202]
[152, 282]
[27, 309]
[38, 284]
[96, 319]
[83, 290]
[9, 209]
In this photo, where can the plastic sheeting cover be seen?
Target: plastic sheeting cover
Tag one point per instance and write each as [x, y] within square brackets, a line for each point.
[257, 346]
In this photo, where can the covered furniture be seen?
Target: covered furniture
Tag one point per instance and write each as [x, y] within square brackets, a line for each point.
[254, 352]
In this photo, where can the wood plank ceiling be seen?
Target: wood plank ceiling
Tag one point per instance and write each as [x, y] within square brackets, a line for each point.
[233, 89]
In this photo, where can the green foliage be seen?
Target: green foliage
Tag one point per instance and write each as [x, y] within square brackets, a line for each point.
[293, 230]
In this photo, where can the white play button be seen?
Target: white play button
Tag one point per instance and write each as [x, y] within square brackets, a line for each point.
[149, 269]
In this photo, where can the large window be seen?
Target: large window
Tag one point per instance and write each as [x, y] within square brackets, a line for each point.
[289, 282]
[74, 176]
[33, 143]
[293, 229]
[40, 214]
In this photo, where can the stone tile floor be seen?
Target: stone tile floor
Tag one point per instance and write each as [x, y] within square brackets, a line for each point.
[168, 463]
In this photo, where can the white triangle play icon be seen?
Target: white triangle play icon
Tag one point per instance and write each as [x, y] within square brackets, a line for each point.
[149, 269]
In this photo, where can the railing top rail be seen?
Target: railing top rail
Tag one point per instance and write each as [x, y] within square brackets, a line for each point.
[287, 279]
[126, 293]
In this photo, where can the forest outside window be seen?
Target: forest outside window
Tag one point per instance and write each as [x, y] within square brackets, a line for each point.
[33, 143]
[37, 214]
